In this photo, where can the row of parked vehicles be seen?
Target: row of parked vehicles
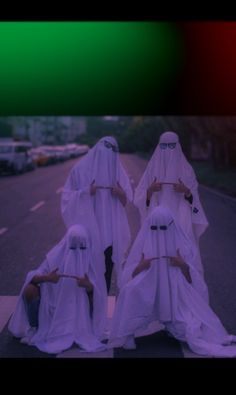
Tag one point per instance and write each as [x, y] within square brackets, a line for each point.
[18, 157]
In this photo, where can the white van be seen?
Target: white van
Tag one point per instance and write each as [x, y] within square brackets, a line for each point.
[15, 157]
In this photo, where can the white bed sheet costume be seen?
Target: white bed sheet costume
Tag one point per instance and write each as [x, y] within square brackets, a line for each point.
[102, 166]
[168, 166]
[64, 315]
[162, 293]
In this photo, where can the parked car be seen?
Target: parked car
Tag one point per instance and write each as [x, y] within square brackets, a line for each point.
[15, 157]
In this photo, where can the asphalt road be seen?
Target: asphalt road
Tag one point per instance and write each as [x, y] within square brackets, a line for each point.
[31, 224]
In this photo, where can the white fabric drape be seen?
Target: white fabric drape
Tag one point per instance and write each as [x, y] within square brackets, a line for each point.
[162, 293]
[64, 316]
[103, 166]
[170, 165]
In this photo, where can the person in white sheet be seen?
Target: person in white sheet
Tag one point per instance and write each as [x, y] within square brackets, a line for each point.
[64, 300]
[99, 184]
[170, 180]
[161, 284]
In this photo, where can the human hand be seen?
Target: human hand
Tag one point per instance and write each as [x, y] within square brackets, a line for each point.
[119, 192]
[144, 263]
[181, 188]
[53, 277]
[84, 282]
[177, 260]
[155, 186]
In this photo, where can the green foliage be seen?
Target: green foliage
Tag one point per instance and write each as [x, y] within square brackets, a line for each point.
[141, 135]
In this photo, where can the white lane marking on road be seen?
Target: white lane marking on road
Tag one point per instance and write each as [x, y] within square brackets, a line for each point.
[7, 306]
[38, 205]
[3, 230]
[59, 190]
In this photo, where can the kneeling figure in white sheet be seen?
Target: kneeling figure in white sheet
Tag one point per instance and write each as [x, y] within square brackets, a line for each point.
[161, 284]
[64, 300]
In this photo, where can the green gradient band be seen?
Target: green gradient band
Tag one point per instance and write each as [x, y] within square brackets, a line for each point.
[86, 68]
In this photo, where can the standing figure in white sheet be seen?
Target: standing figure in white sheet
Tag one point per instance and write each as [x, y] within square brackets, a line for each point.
[98, 184]
[170, 180]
